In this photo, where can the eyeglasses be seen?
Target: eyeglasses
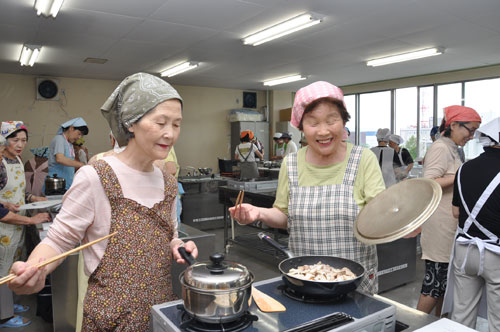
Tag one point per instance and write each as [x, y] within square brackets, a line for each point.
[471, 131]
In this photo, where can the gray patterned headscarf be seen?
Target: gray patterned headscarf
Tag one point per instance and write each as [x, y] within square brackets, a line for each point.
[132, 99]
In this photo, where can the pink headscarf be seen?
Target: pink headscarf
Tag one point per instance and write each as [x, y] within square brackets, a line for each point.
[460, 113]
[310, 93]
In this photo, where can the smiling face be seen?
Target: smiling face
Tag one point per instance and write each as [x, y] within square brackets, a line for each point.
[16, 144]
[157, 131]
[323, 128]
[461, 133]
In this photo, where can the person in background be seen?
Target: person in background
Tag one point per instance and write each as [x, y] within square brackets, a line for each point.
[259, 145]
[36, 170]
[13, 139]
[61, 153]
[441, 163]
[435, 133]
[403, 163]
[303, 142]
[125, 193]
[323, 186]
[347, 133]
[81, 151]
[290, 145]
[474, 277]
[278, 148]
[385, 156]
[245, 152]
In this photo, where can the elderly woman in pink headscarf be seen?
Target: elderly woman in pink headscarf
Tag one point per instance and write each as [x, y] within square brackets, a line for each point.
[442, 161]
[322, 187]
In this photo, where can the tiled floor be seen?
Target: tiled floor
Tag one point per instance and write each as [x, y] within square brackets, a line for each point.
[263, 267]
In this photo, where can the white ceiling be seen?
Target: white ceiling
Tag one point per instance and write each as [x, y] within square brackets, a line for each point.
[152, 35]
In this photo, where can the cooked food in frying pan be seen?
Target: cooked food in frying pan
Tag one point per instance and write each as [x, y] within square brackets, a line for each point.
[321, 272]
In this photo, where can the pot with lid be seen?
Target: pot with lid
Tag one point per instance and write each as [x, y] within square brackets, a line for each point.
[216, 291]
[54, 185]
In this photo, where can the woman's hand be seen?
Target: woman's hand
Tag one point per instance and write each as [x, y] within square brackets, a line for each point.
[245, 214]
[29, 280]
[38, 198]
[39, 218]
[11, 207]
[190, 247]
[413, 234]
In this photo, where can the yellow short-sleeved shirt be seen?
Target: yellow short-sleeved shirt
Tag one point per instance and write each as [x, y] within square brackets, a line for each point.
[369, 181]
[173, 158]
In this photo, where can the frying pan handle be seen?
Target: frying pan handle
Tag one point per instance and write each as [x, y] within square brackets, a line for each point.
[266, 238]
[187, 256]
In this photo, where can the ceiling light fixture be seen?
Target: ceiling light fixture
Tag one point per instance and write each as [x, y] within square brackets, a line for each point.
[29, 54]
[405, 57]
[48, 7]
[282, 29]
[180, 68]
[283, 80]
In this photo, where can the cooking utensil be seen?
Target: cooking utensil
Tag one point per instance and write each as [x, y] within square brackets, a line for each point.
[265, 302]
[54, 185]
[216, 291]
[55, 258]
[317, 289]
[397, 211]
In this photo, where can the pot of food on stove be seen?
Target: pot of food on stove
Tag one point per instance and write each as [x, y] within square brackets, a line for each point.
[217, 291]
[317, 276]
[54, 184]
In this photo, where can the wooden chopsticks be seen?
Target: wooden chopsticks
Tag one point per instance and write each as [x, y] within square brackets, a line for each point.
[239, 199]
[55, 258]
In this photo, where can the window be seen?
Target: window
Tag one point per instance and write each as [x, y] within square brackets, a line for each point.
[350, 104]
[447, 95]
[406, 118]
[484, 98]
[374, 113]
[426, 114]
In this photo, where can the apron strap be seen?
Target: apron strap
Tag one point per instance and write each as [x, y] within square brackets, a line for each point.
[293, 173]
[352, 165]
[248, 155]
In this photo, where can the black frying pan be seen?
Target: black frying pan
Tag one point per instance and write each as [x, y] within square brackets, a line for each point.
[311, 287]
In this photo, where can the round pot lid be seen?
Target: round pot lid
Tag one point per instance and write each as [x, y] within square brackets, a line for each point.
[397, 211]
[217, 274]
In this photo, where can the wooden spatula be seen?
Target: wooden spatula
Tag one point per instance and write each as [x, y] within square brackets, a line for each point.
[265, 302]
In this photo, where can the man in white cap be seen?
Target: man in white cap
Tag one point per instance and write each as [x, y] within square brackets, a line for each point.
[403, 163]
[473, 275]
[385, 156]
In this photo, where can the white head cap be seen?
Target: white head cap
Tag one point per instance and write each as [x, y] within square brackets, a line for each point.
[491, 129]
[396, 139]
[277, 135]
[383, 134]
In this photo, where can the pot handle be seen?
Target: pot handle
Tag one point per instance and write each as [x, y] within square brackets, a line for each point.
[187, 256]
[266, 238]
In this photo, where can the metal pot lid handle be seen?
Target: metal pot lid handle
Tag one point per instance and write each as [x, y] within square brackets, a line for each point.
[217, 266]
[186, 256]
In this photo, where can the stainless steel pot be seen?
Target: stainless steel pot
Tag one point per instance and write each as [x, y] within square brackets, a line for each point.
[54, 184]
[216, 291]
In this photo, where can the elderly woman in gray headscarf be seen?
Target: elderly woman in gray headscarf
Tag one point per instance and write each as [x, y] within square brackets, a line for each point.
[385, 156]
[124, 193]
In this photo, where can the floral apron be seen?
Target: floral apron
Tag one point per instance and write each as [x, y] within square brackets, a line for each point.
[12, 236]
[321, 220]
[134, 273]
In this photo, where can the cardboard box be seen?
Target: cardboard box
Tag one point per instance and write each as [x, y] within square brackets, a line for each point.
[286, 114]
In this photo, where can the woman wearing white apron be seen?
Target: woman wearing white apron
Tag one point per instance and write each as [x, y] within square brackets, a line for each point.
[441, 163]
[403, 162]
[12, 233]
[322, 187]
[474, 276]
[385, 156]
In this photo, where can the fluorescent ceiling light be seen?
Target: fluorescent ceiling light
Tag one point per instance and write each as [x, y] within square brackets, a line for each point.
[405, 57]
[283, 80]
[29, 54]
[48, 7]
[179, 69]
[281, 29]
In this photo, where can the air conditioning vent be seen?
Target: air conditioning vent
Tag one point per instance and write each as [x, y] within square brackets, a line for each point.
[47, 89]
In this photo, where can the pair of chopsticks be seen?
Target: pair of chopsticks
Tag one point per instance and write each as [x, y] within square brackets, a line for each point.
[239, 200]
[55, 258]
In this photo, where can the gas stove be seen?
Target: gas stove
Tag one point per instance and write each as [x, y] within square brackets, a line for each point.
[356, 312]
